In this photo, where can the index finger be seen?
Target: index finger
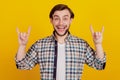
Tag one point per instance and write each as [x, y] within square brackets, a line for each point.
[102, 30]
[29, 29]
[91, 29]
[17, 30]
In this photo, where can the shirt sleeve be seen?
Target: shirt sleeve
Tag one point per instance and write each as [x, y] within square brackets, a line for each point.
[92, 60]
[30, 59]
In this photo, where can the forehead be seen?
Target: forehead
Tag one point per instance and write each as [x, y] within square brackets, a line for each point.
[61, 13]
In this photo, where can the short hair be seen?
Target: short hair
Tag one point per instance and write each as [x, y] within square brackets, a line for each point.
[60, 7]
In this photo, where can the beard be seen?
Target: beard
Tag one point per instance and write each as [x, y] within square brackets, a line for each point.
[66, 31]
[62, 34]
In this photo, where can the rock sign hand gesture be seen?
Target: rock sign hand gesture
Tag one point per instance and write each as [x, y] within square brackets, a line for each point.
[97, 36]
[23, 36]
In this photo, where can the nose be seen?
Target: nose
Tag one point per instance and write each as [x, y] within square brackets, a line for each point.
[61, 22]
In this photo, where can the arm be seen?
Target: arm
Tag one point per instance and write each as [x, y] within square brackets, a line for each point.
[25, 60]
[97, 38]
[22, 39]
[96, 59]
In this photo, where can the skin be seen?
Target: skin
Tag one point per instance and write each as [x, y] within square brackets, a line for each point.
[61, 23]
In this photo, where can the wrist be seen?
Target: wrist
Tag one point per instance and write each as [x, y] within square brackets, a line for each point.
[22, 46]
[98, 44]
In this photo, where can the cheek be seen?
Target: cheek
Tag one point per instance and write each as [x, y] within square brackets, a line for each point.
[67, 23]
[55, 23]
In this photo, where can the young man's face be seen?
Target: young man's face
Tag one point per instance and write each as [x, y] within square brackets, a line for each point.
[61, 22]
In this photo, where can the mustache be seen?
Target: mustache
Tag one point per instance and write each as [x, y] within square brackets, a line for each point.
[61, 25]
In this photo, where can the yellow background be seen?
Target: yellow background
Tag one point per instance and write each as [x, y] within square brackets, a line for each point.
[24, 13]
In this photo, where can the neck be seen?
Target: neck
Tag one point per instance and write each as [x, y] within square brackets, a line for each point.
[61, 39]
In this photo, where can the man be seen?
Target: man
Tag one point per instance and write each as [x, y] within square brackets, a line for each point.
[61, 56]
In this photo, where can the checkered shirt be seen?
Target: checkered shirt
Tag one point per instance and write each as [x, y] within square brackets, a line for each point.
[77, 53]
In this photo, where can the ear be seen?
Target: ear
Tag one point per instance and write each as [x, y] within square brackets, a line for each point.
[51, 20]
[71, 20]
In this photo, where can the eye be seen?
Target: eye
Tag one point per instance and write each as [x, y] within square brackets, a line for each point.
[65, 18]
[56, 19]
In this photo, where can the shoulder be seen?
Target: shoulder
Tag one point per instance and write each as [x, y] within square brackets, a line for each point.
[77, 39]
[44, 40]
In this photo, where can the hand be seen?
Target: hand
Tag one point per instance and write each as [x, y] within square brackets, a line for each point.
[23, 36]
[97, 36]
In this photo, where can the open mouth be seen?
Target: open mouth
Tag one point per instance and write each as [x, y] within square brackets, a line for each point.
[61, 28]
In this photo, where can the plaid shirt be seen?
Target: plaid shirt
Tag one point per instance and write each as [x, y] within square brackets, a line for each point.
[78, 53]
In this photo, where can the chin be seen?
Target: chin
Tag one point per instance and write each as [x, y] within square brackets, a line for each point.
[62, 34]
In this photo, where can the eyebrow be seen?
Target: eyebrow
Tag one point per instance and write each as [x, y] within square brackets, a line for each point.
[58, 16]
[55, 16]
